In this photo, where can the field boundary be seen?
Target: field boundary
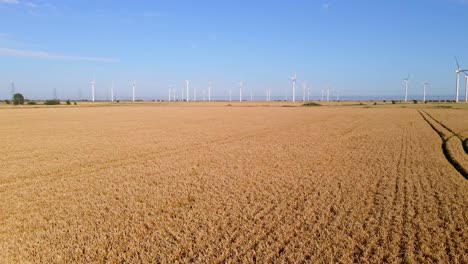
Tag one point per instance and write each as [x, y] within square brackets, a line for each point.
[445, 139]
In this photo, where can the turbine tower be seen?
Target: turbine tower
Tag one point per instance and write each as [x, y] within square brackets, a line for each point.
[303, 91]
[406, 87]
[240, 91]
[133, 91]
[457, 72]
[13, 90]
[112, 92]
[293, 79]
[328, 94]
[170, 93]
[209, 91]
[92, 89]
[187, 82]
[466, 87]
[424, 90]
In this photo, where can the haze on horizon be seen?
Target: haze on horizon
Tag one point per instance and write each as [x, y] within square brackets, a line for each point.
[363, 47]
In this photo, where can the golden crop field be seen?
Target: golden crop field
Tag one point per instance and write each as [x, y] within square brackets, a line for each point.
[216, 184]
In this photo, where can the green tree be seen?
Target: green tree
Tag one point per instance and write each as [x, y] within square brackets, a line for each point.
[18, 99]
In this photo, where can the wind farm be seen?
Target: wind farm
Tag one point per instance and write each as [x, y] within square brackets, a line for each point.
[233, 132]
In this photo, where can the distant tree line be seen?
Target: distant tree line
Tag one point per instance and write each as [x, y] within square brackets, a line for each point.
[18, 99]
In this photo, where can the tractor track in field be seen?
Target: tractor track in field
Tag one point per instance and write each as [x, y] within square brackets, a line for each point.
[446, 137]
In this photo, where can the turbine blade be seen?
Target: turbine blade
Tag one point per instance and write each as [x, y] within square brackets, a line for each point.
[458, 66]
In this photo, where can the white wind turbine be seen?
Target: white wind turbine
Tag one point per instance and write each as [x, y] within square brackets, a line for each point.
[112, 92]
[293, 79]
[406, 87]
[303, 91]
[187, 82]
[457, 72]
[170, 93]
[328, 94]
[209, 91]
[92, 89]
[425, 83]
[466, 87]
[133, 91]
[240, 90]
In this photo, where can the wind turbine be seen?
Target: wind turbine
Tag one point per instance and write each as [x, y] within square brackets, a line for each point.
[209, 91]
[240, 91]
[457, 72]
[466, 87]
[303, 91]
[406, 87]
[424, 90]
[230, 99]
[170, 93]
[13, 90]
[328, 94]
[133, 91]
[92, 89]
[293, 79]
[112, 92]
[251, 94]
[308, 94]
[187, 82]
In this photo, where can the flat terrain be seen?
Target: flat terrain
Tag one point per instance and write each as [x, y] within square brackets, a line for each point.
[162, 183]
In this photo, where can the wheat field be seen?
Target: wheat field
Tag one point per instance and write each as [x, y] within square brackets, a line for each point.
[218, 184]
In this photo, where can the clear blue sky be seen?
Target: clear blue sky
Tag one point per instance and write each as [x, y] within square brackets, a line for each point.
[363, 47]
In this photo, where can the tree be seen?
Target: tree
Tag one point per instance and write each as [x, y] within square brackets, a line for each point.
[18, 99]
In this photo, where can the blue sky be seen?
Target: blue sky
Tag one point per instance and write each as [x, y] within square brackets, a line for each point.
[361, 47]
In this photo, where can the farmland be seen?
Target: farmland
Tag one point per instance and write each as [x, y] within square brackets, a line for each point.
[199, 183]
